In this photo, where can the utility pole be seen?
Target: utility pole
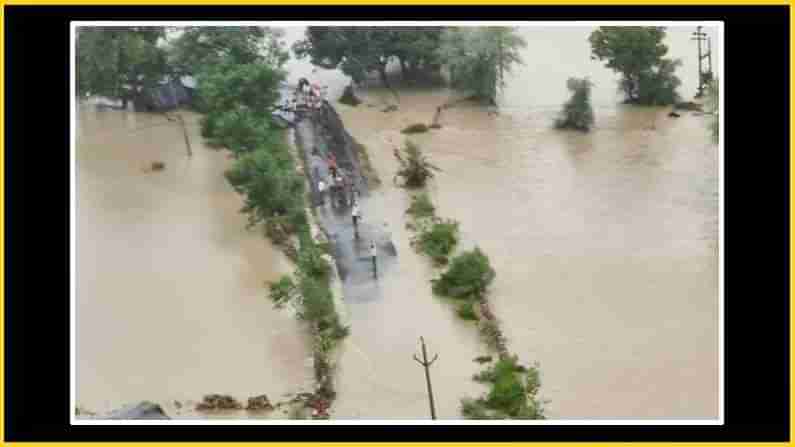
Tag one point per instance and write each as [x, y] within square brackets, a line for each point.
[426, 364]
[702, 37]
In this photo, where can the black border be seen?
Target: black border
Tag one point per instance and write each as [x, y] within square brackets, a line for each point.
[37, 198]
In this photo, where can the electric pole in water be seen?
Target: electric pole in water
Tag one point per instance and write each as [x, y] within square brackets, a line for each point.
[701, 37]
[426, 364]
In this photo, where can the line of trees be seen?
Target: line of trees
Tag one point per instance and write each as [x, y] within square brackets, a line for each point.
[478, 57]
[121, 62]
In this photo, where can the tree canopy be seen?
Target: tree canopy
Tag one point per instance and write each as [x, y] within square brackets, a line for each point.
[119, 62]
[479, 57]
[637, 53]
[199, 47]
[356, 51]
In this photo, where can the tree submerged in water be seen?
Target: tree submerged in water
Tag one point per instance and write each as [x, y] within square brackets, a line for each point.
[636, 52]
[577, 112]
[415, 169]
[479, 57]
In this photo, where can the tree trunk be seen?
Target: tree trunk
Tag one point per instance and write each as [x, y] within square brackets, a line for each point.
[382, 73]
[404, 70]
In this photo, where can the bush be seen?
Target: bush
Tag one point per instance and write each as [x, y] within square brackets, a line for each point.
[469, 275]
[491, 332]
[512, 394]
[239, 131]
[507, 393]
[465, 311]
[317, 305]
[473, 409]
[415, 169]
[438, 240]
[415, 128]
[421, 206]
[270, 188]
[283, 290]
[577, 112]
[311, 262]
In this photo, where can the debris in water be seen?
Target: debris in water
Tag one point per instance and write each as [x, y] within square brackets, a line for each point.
[158, 166]
[218, 402]
[259, 403]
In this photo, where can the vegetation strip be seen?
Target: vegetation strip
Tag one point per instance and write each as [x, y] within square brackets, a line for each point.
[237, 96]
[466, 280]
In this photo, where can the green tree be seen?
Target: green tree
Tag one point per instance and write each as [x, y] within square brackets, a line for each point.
[359, 50]
[354, 50]
[237, 100]
[200, 47]
[637, 53]
[268, 184]
[416, 48]
[479, 58]
[120, 62]
[577, 112]
[469, 275]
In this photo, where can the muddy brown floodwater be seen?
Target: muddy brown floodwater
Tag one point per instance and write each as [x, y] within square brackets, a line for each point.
[605, 245]
[170, 299]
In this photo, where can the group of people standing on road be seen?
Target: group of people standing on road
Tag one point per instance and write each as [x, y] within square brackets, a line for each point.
[341, 188]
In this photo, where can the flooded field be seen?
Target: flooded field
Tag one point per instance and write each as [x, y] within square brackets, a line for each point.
[605, 247]
[605, 244]
[171, 303]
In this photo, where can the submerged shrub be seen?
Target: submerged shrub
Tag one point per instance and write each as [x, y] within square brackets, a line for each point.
[439, 239]
[317, 304]
[507, 393]
[469, 275]
[311, 262]
[490, 332]
[415, 169]
[465, 311]
[577, 112]
[421, 206]
[415, 128]
[283, 290]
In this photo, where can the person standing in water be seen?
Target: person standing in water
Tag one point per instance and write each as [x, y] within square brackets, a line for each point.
[373, 253]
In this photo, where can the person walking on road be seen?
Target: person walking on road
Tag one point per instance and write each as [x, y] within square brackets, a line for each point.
[373, 253]
[332, 164]
[355, 216]
[321, 187]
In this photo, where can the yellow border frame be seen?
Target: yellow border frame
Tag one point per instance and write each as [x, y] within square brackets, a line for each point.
[363, 2]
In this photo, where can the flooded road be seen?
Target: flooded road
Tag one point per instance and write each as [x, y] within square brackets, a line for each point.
[605, 244]
[605, 247]
[171, 303]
